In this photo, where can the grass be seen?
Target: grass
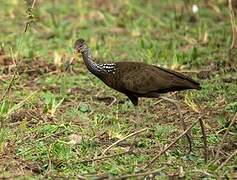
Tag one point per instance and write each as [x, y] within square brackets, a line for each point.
[52, 120]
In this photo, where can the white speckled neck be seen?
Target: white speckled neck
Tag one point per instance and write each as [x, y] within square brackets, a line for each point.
[91, 65]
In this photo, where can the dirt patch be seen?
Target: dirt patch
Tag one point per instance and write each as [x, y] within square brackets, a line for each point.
[104, 139]
[11, 164]
[32, 67]
[77, 90]
[108, 100]
[5, 60]
[29, 115]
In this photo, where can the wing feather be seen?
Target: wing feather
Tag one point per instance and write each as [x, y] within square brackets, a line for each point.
[147, 78]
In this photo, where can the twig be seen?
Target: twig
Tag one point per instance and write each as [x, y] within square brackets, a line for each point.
[182, 120]
[21, 103]
[129, 176]
[49, 168]
[51, 135]
[9, 86]
[120, 140]
[81, 177]
[233, 24]
[114, 101]
[204, 139]
[30, 18]
[14, 176]
[33, 4]
[170, 145]
[104, 98]
[203, 172]
[194, 71]
[105, 157]
[159, 101]
[15, 72]
[225, 135]
[227, 160]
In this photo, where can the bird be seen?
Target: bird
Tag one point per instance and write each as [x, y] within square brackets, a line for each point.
[135, 79]
[138, 79]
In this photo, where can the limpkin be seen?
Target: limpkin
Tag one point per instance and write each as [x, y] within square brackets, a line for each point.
[136, 79]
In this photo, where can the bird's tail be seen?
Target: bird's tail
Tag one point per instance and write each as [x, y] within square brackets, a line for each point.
[191, 84]
[182, 81]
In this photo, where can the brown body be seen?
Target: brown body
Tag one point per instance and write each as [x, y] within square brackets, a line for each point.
[142, 80]
[136, 79]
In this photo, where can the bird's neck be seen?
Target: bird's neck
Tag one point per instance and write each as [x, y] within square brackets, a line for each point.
[93, 67]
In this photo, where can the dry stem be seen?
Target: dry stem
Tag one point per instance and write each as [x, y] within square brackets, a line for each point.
[182, 120]
[152, 173]
[233, 24]
[227, 160]
[105, 157]
[30, 17]
[225, 135]
[128, 176]
[120, 140]
[204, 139]
[170, 145]
[9, 86]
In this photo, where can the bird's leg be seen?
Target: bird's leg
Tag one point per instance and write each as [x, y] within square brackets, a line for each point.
[181, 118]
[136, 108]
[135, 121]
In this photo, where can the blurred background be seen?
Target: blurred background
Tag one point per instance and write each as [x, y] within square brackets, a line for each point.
[183, 32]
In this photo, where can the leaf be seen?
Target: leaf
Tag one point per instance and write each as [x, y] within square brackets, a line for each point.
[84, 108]
[232, 107]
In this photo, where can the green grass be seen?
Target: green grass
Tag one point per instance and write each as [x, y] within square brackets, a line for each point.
[47, 104]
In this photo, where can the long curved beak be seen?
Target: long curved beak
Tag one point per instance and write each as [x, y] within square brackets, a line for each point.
[75, 52]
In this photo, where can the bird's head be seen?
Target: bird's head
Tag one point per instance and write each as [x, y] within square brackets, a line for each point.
[80, 46]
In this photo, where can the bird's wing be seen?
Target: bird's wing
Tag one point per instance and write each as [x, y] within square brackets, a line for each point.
[154, 79]
[145, 80]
